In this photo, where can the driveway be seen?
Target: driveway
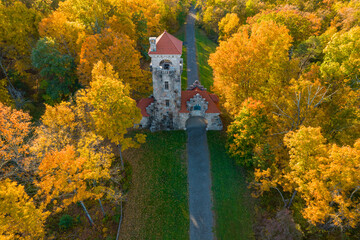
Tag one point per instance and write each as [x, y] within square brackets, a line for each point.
[199, 179]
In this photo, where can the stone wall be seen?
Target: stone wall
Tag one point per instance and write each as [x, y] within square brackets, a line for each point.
[167, 101]
[214, 121]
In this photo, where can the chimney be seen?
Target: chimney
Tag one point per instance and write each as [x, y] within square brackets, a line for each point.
[152, 44]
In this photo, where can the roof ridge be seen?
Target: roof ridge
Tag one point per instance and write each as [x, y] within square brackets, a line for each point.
[171, 40]
[167, 44]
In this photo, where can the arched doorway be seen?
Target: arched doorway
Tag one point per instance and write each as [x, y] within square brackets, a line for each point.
[196, 122]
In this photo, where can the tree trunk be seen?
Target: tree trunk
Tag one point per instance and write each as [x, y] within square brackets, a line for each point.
[87, 214]
[282, 197]
[121, 217]
[121, 158]
[292, 198]
[102, 208]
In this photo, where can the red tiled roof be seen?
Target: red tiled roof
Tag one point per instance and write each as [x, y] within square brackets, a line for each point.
[143, 103]
[167, 44]
[187, 95]
[214, 98]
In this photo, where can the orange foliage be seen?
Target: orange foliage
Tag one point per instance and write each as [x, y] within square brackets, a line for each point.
[63, 178]
[15, 128]
[119, 51]
[253, 63]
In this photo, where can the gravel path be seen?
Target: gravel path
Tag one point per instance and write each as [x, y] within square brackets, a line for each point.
[199, 177]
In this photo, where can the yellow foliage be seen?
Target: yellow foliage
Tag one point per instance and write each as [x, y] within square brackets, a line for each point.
[68, 34]
[19, 217]
[326, 177]
[113, 111]
[252, 63]
[119, 51]
[15, 128]
[63, 177]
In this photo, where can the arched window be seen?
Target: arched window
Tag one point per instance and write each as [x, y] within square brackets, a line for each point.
[197, 107]
[165, 64]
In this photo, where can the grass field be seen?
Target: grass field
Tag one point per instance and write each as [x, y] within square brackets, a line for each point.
[181, 35]
[157, 204]
[233, 204]
[204, 47]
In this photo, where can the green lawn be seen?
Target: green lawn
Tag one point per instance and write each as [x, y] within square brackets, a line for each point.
[204, 47]
[157, 206]
[181, 35]
[233, 205]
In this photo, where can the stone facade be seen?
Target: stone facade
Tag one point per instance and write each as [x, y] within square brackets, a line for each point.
[166, 74]
[169, 108]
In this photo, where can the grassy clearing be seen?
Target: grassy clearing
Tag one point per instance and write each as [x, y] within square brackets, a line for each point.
[157, 204]
[233, 204]
[204, 47]
[181, 35]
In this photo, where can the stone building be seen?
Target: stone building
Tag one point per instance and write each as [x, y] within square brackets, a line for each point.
[169, 108]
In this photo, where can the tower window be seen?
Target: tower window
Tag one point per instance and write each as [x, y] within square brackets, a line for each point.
[167, 103]
[166, 85]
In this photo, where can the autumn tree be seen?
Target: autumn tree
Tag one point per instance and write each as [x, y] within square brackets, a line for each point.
[63, 179]
[119, 51]
[67, 34]
[301, 25]
[348, 14]
[253, 63]
[56, 69]
[91, 14]
[341, 66]
[323, 175]
[247, 133]
[59, 127]
[18, 34]
[228, 26]
[20, 218]
[63, 125]
[66, 124]
[113, 112]
[15, 130]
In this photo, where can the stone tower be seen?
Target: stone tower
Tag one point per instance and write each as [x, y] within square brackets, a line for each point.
[166, 66]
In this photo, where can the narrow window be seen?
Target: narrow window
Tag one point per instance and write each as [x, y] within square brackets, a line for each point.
[167, 102]
[166, 85]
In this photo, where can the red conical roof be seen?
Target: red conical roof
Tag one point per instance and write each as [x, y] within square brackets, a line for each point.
[167, 44]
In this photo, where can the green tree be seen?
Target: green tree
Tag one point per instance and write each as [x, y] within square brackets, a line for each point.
[57, 70]
[247, 133]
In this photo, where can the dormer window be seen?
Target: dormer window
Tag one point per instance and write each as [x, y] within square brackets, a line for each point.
[166, 85]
